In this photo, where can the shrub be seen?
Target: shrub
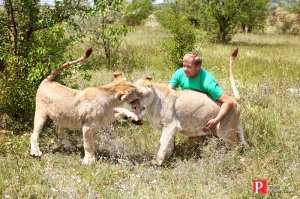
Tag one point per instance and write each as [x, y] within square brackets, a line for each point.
[32, 43]
[103, 25]
[285, 21]
[182, 38]
[22, 75]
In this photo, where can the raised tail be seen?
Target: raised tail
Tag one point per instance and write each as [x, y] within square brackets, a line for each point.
[235, 91]
[56, 71]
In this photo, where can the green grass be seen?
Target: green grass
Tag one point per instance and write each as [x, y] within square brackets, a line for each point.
[267, 66]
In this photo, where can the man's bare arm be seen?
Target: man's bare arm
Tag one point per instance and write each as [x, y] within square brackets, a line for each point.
[226, 105]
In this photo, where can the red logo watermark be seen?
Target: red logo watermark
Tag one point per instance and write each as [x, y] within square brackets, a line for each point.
[260, 186]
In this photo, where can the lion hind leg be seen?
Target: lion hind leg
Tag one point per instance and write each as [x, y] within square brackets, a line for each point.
[241, 134]
[39, 121]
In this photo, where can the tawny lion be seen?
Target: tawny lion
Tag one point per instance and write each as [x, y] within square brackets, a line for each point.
[86, 109]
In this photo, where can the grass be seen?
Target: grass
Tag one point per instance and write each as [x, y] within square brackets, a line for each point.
[268, 65]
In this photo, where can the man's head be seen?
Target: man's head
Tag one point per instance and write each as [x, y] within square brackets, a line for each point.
[191, 64]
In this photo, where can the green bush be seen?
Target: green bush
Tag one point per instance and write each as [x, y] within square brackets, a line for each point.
[104, 28]
[183, 35]
[22, 75]
[33, 42]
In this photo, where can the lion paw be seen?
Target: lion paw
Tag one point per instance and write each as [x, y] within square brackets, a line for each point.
[35, 152]
[88, 160]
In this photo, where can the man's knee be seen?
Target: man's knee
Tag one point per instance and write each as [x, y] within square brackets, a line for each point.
[236, 110]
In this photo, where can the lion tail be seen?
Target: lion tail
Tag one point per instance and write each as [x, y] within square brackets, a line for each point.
[235, 91]
[56, 71]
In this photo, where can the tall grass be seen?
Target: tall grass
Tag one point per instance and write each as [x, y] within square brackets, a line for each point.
[267, 66]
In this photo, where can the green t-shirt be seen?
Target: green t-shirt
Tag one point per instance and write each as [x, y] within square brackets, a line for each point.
[203, 82]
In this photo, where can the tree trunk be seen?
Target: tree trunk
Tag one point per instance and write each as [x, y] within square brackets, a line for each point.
[11, 14]
[223, 35]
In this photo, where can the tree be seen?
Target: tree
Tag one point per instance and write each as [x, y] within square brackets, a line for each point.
[137, 11]
[295, 7]
[32, 43]
[221, 18]
[253, 15]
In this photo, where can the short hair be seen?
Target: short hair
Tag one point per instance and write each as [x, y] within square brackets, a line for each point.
[197, 60]
[187, 56]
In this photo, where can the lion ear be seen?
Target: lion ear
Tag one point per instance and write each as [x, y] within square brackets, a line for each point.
[121, 95]
[118, 76]
[148, 80]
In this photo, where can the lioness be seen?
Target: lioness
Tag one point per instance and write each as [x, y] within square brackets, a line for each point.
[87, 109]
[188, 112]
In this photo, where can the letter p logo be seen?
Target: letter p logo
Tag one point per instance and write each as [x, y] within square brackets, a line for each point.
[260, 186]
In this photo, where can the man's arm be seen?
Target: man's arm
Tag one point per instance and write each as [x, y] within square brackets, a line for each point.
[226, 105]
[173, 83]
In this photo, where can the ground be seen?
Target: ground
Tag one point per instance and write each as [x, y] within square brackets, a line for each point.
[267, 69]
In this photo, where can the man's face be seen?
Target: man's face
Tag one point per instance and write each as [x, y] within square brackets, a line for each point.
[189, 68]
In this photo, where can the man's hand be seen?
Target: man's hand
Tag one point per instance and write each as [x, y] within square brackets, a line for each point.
[226, 104]
[211, 124]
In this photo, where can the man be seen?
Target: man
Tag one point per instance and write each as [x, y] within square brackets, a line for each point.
[193, 76]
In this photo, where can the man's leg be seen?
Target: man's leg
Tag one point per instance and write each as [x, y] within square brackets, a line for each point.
[229, 126]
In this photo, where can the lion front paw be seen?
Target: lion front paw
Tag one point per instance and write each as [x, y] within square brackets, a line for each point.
[157, 162]
[88, 160]
[35, 152]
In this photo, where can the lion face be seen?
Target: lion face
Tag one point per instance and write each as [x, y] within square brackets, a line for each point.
[141, 106]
